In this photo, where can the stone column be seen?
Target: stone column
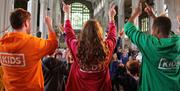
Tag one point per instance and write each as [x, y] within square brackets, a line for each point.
[43, 13]
[173, 11]
[56, 13]
[2, 4]
[106, 16]
[121, 18]
[7, 6]
[175, 23]
[48, 7]
[121, 14]
[33, 8]
[56, 17]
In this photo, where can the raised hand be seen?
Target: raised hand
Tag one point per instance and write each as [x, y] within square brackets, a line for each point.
[66, 8]
[48, 22]
[137, 11]
[149, 11]
[112, 12]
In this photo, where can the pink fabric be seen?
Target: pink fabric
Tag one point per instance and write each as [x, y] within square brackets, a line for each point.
[81, 81]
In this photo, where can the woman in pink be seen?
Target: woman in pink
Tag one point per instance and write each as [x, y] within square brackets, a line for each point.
[91, 54]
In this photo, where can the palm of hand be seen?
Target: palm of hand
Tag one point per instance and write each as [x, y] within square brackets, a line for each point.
[66, 8]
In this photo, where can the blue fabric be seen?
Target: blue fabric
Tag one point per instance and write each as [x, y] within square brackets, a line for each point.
[113, 68]
[125, 59]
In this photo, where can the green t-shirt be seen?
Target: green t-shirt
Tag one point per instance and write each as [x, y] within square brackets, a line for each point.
[160, 68]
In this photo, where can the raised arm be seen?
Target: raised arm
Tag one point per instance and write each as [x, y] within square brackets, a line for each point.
[111, 37]
[119, 41]
[137, 37]
[48, 46]
[149, 10]
[71, 40]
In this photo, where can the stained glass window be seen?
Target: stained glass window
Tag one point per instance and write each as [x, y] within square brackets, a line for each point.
[79, 15]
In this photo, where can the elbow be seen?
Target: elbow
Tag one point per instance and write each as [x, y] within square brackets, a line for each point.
[54, 44]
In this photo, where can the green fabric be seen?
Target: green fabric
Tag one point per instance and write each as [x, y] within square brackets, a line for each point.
[160, 68]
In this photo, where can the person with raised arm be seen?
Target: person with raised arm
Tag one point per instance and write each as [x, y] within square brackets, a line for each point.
[21, 53]
[161, 54]
[91, 54]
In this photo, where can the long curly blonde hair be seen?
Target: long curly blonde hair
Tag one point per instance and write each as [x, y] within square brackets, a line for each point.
[92, 50]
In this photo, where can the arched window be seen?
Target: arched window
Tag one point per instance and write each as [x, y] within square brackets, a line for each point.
[79, 14]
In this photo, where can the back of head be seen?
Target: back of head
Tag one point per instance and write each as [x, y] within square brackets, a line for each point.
[92, 49]
[133, 67]
[18, 17]
[50, 62]
[162, 25]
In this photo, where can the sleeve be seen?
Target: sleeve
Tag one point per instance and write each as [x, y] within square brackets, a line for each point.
[47, 47]
[111, 40]
[137, 37]
[118, 44]
[70, 38]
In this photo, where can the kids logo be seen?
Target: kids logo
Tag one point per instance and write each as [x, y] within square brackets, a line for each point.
[168, 65]
[12, 60]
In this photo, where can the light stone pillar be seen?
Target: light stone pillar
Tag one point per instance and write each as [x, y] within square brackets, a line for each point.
[173, 12]
[43, 13]
[2, 4]
[33, 9]
[7, 6]
[121, 18]
[121, 14]
[106, 16]
[47, 7]
[56, 13]
[175, 23]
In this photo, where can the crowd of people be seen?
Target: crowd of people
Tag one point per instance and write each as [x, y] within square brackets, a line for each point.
[90, 62]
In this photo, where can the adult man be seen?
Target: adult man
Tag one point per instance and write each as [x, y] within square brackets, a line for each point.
[160, 69]
[21, 53]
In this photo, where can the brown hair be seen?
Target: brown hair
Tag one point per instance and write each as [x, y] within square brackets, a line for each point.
[18, 17]
[163, 24]
[92, 49]
[133, 66]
